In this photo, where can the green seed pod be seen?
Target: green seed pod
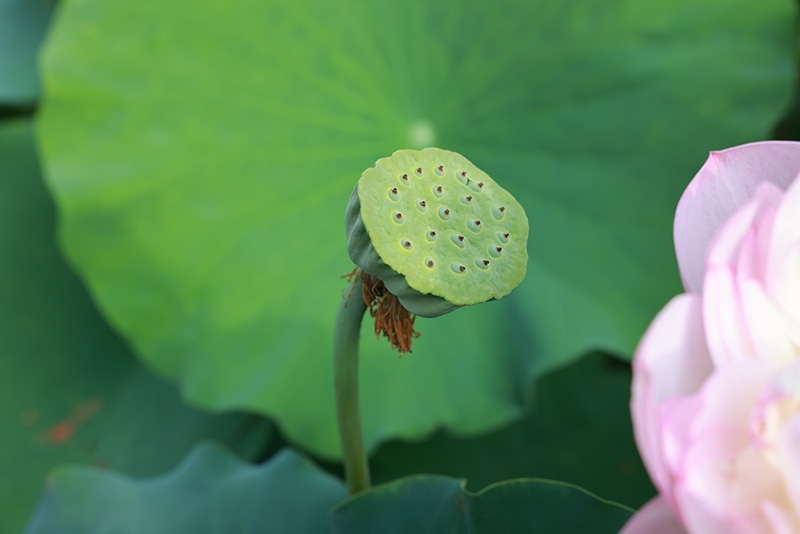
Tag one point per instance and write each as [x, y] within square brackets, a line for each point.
[437, 231]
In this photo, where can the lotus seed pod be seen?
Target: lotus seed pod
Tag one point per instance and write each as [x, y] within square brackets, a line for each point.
[438, 231]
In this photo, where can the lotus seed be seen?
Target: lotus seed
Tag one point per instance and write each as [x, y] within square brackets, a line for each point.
[503, 237]
[418, 171]
[444, 214]
[458, 240]
[438, 191]
[397, 217]
[462, 177]
[475, 186]
[474, 225]
[422, 206]
[406, 244]
[404, 177]
[394, 194]
[430, 263]
[482, 263]
[498, 212]
[439, 170]
[465, 199]
[495, 251]
[458, 268]
[431, 235]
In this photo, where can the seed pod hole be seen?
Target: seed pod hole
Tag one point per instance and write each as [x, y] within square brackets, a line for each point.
[422, 206]
[393, 194]
[439, 170]
[474, 225]
[431, 235]
[503, 237]
[498, 212]
[466, 199]
[429, 263]
[398, 217]
[475, 186]
[444, 214]
[406, 244]
[458, 240]
[458, 268]
[461, 176]
[438, 192]
[482, 263]
[496, 251]
[418, 171]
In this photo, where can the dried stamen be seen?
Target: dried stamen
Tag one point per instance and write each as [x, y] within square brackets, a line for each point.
[391, 318]
[351, 280]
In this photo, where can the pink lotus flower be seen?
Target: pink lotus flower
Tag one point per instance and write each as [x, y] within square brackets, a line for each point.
[716, 387]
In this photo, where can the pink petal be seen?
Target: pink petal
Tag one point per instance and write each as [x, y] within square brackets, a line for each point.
[779, 519]
[672, 360]
[677, 415]
[655, 517]
[726, 181]
[789, 451]
[725, 247]
[700, 520]
[741, 320]
[784, 260]
[767, 326]
[724, 318]
[725, 474]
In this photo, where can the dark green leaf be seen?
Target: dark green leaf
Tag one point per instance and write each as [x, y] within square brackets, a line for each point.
[22, 27]
[70, 391]
[209, 492]
[578, 430]
[430, 504]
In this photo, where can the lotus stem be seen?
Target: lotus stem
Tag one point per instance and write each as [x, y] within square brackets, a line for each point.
[345, 360]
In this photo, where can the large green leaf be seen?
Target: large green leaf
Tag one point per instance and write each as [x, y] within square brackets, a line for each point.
[430, 504]
[22, 27]
[578, 430]
[211, 491]
[70, 391]
[202, 159]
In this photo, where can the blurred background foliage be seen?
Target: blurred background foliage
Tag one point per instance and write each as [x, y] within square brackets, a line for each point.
[200, 161]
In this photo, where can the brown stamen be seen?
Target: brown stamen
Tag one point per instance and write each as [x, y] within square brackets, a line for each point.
[351, 279]
[391, 319]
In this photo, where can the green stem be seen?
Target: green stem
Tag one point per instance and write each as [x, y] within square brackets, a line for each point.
[345, 375]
